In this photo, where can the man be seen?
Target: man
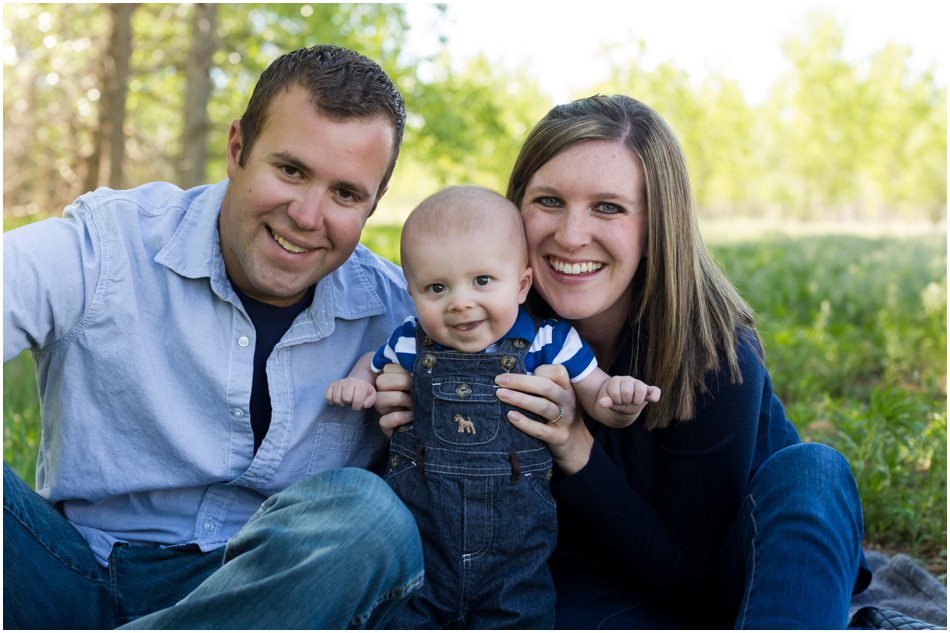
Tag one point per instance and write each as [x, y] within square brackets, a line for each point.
[190, 474]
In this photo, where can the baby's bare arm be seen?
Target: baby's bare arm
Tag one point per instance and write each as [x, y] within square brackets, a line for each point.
[614, 401]
[358, 390]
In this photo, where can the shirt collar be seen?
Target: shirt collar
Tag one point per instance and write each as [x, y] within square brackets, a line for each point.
[523, 327]
[194, 250]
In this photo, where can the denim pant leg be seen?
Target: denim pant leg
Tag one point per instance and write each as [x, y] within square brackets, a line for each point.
[510, 532]
[51, 579]
[333, 551]
[792, 557]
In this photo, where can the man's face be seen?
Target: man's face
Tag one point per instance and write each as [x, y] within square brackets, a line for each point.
[294, 213]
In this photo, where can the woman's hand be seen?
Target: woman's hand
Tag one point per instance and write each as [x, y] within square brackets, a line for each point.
[549, 395]
[393, 398]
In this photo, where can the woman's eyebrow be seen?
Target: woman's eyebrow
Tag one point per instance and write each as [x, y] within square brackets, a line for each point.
[542, 188]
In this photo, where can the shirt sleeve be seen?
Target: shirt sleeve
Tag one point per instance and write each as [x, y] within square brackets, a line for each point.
[671, 540]
[51, 271]
[401, 348]
[558, 343]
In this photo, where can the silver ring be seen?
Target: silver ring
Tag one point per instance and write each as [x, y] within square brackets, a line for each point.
[560, 414]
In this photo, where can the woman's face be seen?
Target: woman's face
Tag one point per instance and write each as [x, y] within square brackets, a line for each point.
[585, 216]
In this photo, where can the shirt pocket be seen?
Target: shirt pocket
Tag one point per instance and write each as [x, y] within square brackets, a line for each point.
[343, 437]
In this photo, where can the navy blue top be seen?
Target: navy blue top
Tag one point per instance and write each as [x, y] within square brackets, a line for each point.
[271, 322]
[654, 508]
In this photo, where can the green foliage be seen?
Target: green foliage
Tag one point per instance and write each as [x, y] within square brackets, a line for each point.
[21, 417]
[469, 123]
[848, 151]
[855, 332]
[835, 138]
[842, 311]
[464, 125]
[853, 139]
[383, 240]
[50, 101]
[898, 450]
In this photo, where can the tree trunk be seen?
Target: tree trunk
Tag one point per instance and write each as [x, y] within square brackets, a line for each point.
[197, 94]
[121, 48]
[114, 79]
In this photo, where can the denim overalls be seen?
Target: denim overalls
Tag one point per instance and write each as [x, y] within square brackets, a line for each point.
[478, 488]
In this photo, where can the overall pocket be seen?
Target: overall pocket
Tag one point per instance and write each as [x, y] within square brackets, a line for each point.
[465, 412]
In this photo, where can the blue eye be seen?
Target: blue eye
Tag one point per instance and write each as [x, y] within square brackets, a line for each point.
[548, 201]
[610, 208]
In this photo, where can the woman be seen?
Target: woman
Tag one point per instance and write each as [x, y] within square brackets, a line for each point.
[707, 512]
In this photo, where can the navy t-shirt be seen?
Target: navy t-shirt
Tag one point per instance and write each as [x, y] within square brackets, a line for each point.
[270, 323]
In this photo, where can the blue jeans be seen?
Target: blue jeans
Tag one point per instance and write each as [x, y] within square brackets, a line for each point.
[790, 561]
[332, 551]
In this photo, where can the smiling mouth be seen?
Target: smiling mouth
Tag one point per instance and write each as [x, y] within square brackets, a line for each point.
[285, 244]
[467, 326]
[579, 268]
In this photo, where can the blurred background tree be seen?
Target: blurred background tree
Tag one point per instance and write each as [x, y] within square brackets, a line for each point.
[121, 94]
[834, 140]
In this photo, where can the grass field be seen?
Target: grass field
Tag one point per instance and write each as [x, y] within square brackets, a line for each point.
[855, 330]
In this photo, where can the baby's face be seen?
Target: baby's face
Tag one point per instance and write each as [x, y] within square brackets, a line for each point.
[467, 286]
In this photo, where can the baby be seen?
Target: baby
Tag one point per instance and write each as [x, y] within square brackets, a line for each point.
[477, 485]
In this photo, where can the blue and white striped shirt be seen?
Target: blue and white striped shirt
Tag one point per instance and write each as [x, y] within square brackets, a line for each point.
[554, 342]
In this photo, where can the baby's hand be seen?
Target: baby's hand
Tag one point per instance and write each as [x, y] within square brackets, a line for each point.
[624, 397]
[351, 392]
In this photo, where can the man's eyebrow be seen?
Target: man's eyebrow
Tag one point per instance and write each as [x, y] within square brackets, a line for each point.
[289, 159]
[359, 190]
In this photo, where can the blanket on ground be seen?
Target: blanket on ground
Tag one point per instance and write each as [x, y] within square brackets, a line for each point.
[901, 584]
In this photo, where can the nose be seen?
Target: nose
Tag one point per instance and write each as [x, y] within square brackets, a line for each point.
[308, 210]
[460, 301]
[572, 231]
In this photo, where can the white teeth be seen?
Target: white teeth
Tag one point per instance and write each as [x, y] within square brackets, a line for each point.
[575, 269]
[287, 246]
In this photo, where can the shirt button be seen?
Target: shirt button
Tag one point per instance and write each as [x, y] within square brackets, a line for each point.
[208, 525]
[238, 413]
[244, 341]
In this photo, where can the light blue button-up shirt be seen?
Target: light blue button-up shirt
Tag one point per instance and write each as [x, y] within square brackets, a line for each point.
[144, 358]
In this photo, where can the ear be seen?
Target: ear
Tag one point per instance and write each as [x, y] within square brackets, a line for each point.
[525, 284]
[235, 146]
